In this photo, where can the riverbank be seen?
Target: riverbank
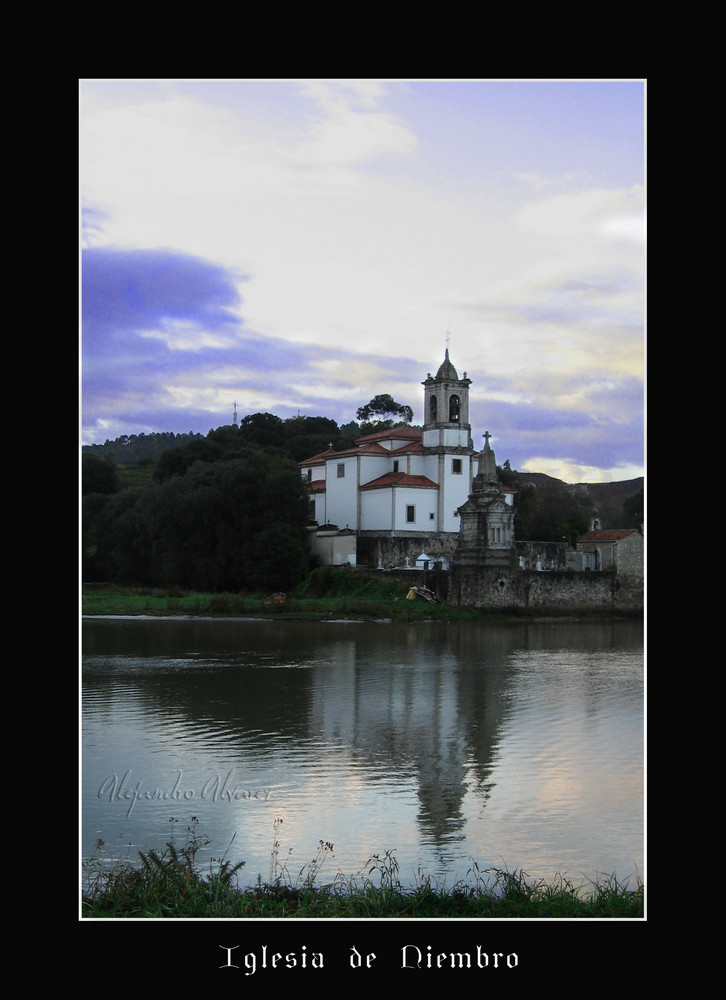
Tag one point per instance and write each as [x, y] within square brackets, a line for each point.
[361, 599]
[124, 602]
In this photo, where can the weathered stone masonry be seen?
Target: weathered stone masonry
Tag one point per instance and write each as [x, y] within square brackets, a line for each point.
[556, 591]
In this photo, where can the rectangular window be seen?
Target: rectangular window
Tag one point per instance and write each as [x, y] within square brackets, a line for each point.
[310, 475]
[456, 466]
[410, 514]
[395, 466]
[341, 470]
[431, 517]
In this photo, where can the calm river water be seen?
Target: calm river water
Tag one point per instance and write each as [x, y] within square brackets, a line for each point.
[452, 746]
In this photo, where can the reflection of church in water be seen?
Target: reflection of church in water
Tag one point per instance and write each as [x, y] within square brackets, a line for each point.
[438, 720]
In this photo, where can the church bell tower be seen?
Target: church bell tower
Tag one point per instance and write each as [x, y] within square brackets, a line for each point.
[446, 409]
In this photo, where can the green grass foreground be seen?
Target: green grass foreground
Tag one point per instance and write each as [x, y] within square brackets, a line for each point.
[296, 606]
[327, 593]
[170, 884]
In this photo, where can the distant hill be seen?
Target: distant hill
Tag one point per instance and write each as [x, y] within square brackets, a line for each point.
[598, 491]
[603, 499]
[537, 479]
[612, 494]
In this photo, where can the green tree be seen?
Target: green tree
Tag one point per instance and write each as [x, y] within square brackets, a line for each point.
[98, 475]
[232, 524]
[123, 538]
[176, 461]
[280, 559]
[548, 514]
[141, 449]
[93, 566]
[383, 411]
[506, 474]
[264, 429]
[307, 436]
[350, 432]
[220, 444]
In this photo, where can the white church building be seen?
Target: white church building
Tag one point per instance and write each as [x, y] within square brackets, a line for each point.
[394, 498]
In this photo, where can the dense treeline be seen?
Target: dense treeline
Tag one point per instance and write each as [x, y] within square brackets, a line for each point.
[219, 514]
[227, 512]
[138, 449]
[301, 437]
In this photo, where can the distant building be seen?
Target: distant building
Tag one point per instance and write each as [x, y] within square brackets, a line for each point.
[620, 549]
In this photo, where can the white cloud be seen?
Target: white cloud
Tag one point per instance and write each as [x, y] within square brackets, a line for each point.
[187, 336]
[345, 135]
[630, 227]
[583, 214]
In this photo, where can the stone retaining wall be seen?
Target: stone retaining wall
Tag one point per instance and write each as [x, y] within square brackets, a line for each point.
[395, 551]
[557, 591]
[533, 577]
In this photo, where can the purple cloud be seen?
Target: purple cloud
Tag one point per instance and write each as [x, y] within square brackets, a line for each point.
[129, 294]
[126, 292]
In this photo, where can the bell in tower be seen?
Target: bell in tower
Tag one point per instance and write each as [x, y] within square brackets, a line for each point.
[446, 408]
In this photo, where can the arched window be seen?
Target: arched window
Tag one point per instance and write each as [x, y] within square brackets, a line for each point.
[454, 408]
[432, 409]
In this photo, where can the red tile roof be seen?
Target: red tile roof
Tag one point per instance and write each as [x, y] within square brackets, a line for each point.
[317, 459]
[608, 535]
[369, 445]
[412, 448]
[394, 432]
[400, 479]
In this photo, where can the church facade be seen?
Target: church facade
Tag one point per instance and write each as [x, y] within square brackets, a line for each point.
[394, 499]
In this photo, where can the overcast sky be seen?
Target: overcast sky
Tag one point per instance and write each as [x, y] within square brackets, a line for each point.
[299, 246]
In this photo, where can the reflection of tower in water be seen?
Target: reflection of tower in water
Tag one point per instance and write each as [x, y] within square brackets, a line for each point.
[437, 715]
